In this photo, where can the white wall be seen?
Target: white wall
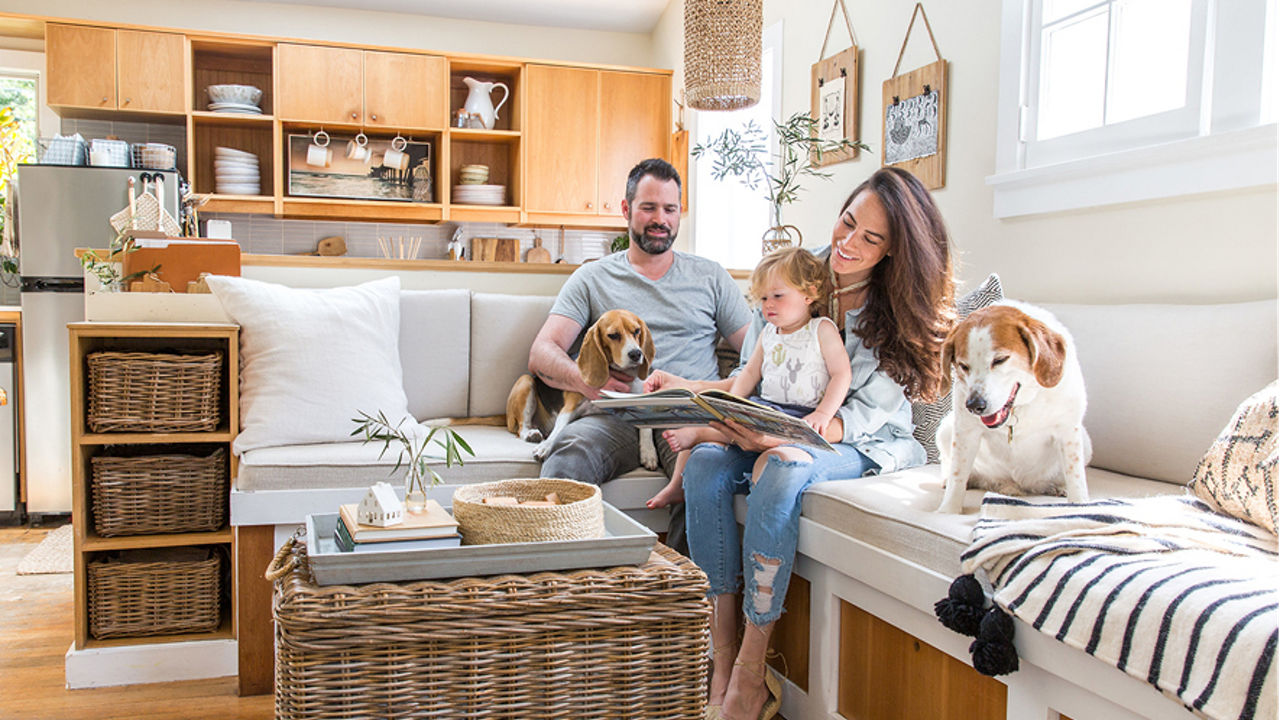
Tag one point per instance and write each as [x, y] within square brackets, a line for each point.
[356, 26]
[1198, 248]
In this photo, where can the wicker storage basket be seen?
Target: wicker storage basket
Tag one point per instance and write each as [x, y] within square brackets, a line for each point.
[154, 392]
[149, 494]
[625, 642]
[131, 598]
[581, 516]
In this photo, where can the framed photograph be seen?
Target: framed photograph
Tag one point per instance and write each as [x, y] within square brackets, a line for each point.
[349, 166]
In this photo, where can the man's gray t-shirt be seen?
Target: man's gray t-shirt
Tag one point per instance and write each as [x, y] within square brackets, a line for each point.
[685, 309]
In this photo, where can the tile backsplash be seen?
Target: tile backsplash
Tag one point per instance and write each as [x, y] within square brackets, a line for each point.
[263, 235]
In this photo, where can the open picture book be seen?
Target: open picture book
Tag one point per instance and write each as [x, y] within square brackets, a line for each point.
[679, 407]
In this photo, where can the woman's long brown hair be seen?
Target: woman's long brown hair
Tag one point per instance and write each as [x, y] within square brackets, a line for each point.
[910, 304]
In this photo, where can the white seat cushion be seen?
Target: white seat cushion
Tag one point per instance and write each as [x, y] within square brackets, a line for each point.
[895, 511]
[502, 329]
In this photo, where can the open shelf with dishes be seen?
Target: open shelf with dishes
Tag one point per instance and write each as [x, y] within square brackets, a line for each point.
[233, 157]
[217, 62]
[153, 545]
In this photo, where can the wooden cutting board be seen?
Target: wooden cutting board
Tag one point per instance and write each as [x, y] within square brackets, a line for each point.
[537, 253]
[495, 249]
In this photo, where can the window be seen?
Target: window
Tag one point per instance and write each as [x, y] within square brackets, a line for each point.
[18, 92]
[731, 217]
[1115, 100]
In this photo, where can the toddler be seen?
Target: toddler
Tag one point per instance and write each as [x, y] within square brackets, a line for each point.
[799, 361]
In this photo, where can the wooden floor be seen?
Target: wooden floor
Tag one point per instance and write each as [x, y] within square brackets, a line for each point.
[35, 632]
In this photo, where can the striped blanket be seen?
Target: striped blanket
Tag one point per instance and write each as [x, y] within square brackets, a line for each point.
[1163, 588]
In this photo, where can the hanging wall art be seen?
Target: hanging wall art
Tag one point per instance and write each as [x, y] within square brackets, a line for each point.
[915, 115]
[834, 93]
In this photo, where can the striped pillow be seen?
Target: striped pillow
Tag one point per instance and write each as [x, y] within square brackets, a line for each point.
[1238, 474]
[927, 416]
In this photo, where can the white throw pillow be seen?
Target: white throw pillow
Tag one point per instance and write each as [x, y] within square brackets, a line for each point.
[311, 359]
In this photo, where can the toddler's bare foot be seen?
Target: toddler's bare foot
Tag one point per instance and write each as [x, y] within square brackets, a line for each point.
[681, 439]
[670, 494]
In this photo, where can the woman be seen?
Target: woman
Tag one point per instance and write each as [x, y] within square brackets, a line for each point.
[893, 296]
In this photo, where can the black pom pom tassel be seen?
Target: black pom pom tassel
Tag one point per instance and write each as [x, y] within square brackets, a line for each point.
[961, 611]
[993, 651]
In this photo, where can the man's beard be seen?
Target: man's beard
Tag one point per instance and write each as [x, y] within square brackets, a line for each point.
[653, 244]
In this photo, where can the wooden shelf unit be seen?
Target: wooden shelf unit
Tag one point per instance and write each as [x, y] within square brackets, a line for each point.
[88, 337]
[344, 88]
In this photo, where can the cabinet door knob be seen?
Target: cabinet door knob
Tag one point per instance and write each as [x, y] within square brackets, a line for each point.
[354, 115]
[374, 117]
[128, 100]
[606, 206]
[104, 98]
[588, 206]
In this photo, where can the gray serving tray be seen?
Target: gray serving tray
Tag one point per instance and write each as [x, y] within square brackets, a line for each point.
[626, 542]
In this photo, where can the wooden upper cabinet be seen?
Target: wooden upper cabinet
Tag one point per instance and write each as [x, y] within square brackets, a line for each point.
[320, 84]
[92, 67]
[561, 142]
[150, 71]
[80, 63]
[403, 90]
[634, 125]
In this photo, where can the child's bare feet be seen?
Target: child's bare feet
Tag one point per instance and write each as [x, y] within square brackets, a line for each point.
[672, 493]
[683, 438]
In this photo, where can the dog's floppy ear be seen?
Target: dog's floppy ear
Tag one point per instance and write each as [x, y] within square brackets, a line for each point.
[646, 344]
[1047, 349]
[948, 359]
[593, 362]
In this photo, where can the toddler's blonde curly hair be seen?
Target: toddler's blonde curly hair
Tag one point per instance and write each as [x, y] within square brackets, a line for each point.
[798, 268]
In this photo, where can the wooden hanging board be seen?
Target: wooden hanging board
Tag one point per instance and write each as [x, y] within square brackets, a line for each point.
[679, 153]
[915, 116]
[834, 91]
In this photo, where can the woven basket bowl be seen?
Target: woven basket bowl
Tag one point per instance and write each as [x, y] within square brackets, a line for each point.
[580, 516]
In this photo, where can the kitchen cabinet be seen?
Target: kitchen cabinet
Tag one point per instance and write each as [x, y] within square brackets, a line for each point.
[585, 130]
[347, 86]
[106, 69]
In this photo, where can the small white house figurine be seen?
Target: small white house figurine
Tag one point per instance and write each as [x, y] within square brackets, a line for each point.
[380, 507]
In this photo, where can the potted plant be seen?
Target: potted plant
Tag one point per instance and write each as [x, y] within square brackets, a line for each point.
[15, 147]
[413, 452]
[745, 154]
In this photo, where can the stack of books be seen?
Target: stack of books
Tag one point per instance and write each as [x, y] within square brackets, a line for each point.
[434, 527]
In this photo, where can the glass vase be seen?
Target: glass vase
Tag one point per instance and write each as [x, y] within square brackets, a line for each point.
[415, 492]
[778, 237]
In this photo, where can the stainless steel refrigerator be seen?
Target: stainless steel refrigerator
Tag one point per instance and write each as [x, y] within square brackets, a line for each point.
[59, 208]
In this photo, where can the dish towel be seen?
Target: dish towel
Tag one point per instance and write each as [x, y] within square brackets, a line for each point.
[1163, 588]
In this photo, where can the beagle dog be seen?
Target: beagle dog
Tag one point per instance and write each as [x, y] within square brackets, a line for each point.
[537, 412]
[1017, 420]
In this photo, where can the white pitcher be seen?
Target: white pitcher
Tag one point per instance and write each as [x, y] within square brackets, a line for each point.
[480, 104]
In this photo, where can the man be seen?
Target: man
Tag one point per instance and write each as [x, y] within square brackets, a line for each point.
[687, 302]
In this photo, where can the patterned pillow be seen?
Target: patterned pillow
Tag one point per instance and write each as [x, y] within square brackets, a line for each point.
[927, 416]
[1238, 474]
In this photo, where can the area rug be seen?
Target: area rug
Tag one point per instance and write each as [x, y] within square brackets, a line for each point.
[52, 555]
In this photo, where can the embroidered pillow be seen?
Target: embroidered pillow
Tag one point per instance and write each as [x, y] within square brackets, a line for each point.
[927, 416]
[1238, 474]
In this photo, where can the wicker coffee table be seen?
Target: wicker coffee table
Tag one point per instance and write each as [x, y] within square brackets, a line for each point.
[623, 642]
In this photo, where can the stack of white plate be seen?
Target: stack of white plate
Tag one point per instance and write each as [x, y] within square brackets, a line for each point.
[480, 194]
[236, 171]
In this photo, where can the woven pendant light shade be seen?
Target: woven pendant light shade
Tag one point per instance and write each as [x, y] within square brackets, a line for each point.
[722, 53]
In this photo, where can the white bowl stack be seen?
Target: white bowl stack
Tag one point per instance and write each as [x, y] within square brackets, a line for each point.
[236, 172]
[241, 99]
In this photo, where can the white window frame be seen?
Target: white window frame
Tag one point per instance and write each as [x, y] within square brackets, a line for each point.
[1230, 148]
[705, 219]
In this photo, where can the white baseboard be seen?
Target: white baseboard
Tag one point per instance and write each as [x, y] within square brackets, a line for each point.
[151, 663]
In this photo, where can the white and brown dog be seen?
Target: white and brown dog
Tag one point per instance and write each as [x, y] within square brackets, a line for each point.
[1017, 420]
[618, 341]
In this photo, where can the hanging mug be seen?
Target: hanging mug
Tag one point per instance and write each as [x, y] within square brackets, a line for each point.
[319, 154]
[358, 148]
[395, 156]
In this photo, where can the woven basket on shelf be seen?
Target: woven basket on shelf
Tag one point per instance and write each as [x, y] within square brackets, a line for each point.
[131, 599]
[623, 642]
[154, 392]
[147, 494]
[580, 516]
